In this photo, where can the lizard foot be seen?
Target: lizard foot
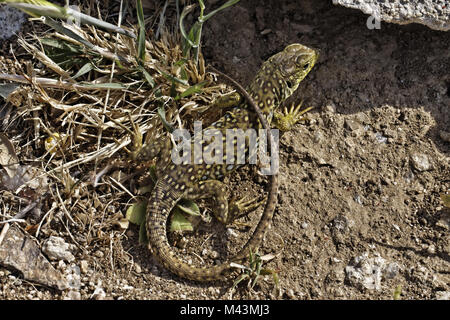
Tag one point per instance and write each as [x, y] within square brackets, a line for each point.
[286, 120]
[239, 208]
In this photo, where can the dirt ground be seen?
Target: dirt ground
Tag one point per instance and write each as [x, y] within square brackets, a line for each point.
[359, 214]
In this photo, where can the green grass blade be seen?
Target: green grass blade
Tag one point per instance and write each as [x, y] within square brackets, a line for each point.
[141, 36]
[191, 90]
[224, 6]
[189, 207]
[83, 70]
[60, 28]
[172, 78]
[147, 76]
[162, 116]
[86, 19]
[184, 13]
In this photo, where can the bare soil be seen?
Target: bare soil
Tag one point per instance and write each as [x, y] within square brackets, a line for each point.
[360, 182]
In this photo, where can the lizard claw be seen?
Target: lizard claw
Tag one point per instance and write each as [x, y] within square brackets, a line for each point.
[240, 208]
[286, 120]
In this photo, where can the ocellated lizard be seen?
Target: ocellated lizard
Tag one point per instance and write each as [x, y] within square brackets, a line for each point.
[277, 79]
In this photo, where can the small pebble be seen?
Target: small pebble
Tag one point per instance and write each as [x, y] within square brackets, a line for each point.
[420, 161]
[99, 294]
[73, 295]
[137, 268]
[214, 254]
[84, 266]
[351, 125]
[290, 293]
[431, 249]
[330, 107]
[445, 135]
[443, 295]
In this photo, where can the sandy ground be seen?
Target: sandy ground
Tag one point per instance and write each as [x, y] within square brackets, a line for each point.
[359, 213]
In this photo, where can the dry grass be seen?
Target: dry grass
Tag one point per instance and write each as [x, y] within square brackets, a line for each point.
[68, 123]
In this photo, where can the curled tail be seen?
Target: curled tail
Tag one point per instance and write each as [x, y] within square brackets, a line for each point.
[162, 201]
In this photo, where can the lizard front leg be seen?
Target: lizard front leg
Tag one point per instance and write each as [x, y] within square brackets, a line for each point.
[228, 100]
[159, 148]
[286, 120]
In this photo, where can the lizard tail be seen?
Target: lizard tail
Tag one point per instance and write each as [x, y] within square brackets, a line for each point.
[161, 203]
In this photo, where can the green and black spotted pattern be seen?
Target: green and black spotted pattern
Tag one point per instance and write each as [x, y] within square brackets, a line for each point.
[277, 79]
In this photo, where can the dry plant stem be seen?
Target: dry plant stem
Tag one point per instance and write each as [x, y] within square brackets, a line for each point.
[111, 76]
[52, 83]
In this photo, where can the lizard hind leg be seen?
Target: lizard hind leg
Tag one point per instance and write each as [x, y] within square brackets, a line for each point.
[240, 208]
[212, 189]
[225, 211]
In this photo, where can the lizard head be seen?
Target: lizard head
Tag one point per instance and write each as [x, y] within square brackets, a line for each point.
[291, 66]
[281, 75]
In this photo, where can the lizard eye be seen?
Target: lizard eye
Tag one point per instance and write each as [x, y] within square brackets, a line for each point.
[289, 83]
[306, 66]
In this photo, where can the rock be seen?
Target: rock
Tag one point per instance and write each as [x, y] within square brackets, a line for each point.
[391, 270]
[367, 273]
[352, 125]
[330, 107]
[420, 162]
[290, 294]
[57, 249]
[20, 251]
[431, 249]
[72, 295]
[137, 268]
[435, 14]
[443, 295]
[73, 276]
[380, 138]
[341, 223]
[99, 294]
[11, 21]
[444, 135]
[84, 266]
[214, 254]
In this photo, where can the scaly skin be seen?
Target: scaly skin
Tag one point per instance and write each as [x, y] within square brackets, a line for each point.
[277, 79]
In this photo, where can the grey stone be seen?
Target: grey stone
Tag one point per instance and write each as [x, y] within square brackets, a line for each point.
[435, 14]
[72, 295]
[443, 295]
[57, 249]
[420, 162]
[20, 251]
[367, 273]
[11, 21]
